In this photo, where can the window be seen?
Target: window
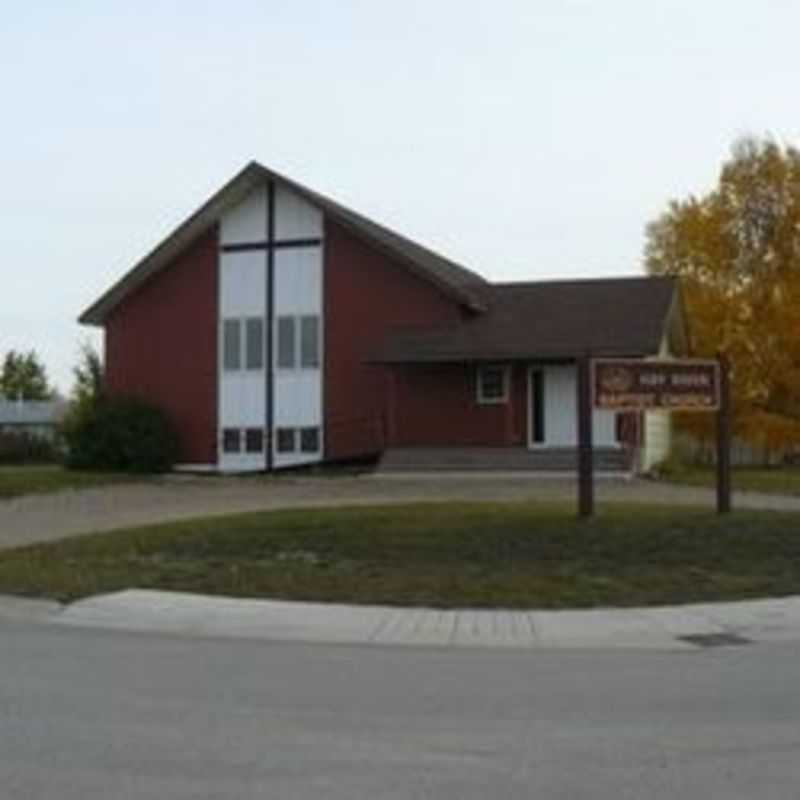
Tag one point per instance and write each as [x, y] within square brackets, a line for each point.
[254, 440]
[286, 443]
[298, 342]
[231, 440]
[309, 440]
[286, 343]
[492, 384]
[309, 342]
[231, 344]
[254, 335]
[243, 347]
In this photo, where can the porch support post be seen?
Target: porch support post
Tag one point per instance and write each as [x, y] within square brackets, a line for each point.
[724, 437]
[585, 454]
[390, 428]
[509, 415]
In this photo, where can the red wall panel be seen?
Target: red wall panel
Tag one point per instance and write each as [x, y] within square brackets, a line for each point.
[369, 406]
[367, 294]
[161, 346]
[436, 406]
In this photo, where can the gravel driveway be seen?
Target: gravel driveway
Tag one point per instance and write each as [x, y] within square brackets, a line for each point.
[36, 518]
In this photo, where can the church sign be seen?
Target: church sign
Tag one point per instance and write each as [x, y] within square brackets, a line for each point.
[627, 384]
[622, 384]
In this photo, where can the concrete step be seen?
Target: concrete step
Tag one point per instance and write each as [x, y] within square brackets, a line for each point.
[457, 459]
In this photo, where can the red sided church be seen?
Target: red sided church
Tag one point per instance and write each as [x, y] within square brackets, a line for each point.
[278, 328]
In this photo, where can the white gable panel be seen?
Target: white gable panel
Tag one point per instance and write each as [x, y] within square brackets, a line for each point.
[246, 222]
[298, 281]
[295, 218]
[243, 284]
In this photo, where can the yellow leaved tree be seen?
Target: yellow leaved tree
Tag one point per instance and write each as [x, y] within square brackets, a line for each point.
[737, 252]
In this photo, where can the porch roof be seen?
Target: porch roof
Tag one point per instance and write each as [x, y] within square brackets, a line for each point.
[555, 320]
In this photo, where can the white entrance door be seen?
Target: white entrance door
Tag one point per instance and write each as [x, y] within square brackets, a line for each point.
[552, 410]
[551, 407]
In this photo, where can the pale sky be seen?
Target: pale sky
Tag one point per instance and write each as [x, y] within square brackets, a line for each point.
[525, 139]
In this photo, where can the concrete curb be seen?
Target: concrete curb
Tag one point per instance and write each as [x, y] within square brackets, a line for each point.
[686, 627]
[28, 609]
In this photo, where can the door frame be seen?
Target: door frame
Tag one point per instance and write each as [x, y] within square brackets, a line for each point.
[529, 405]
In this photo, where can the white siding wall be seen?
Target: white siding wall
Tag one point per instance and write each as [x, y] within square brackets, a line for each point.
[657, 438]
[560, 422]
[243, 290]
[604, 428]
[657, 428]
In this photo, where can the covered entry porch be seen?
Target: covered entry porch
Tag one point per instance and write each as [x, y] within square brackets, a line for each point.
[499, 388]
[518, 416]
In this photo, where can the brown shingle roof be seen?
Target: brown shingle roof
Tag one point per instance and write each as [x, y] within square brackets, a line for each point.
[551, 320]
[455, 280]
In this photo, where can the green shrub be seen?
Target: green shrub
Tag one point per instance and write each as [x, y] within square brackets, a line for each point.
[26, 448]
[122, 434]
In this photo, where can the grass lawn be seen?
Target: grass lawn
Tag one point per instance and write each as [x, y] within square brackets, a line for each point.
[17, 481]
[442, 555]
[772, 480]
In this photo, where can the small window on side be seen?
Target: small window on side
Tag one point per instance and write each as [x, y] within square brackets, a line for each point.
[254, 338]
[231, 345]
[254, 440]
[286, 343]
[309, 440]
[286, 440]
[309, 342]
[231, 440]
[492, 384]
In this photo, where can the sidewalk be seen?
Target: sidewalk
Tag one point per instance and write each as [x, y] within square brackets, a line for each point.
[42, 518]
[663, 628]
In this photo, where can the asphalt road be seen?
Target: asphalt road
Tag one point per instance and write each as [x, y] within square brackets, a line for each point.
[93, 714]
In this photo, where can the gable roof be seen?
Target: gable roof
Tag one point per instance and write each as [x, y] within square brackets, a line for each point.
[462, 284]
[554, 320]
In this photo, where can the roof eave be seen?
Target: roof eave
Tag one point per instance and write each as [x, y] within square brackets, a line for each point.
[465, 297]
[181, 237]
[466, 358]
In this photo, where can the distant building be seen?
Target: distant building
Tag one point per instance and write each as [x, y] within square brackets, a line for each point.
[33, 417]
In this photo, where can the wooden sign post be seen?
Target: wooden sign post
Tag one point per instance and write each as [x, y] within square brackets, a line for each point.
[724, 438]
[585, 449]
[628, 384]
